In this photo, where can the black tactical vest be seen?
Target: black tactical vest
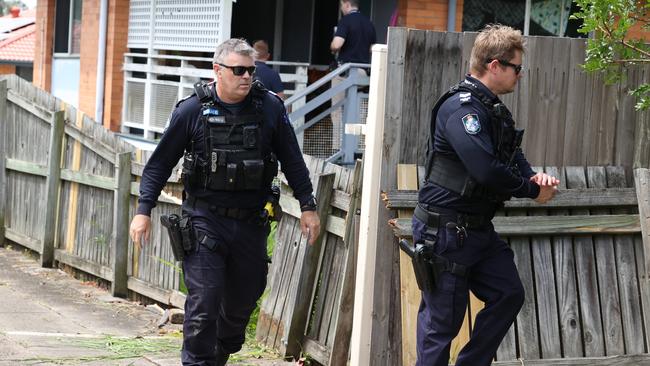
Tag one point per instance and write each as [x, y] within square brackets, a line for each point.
[450, 173]
[233, 158]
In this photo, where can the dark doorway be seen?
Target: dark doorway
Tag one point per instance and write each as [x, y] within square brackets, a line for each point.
[253, 20]
[327, 16]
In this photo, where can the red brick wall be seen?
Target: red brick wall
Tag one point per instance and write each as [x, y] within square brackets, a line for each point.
[44, 44]
[116, 40]
[7, 69]
[428, 14]
[88, 57]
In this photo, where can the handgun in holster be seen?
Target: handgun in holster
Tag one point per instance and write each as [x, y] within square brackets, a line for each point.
[426, 271]
[181, 234]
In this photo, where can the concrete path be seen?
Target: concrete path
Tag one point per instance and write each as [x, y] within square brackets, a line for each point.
[49, 318]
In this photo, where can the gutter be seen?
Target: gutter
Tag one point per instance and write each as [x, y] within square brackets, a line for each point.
[101, 62]
[451, 16]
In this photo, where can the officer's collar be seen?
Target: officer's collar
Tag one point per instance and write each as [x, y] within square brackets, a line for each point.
[474, 82]
[233, 108]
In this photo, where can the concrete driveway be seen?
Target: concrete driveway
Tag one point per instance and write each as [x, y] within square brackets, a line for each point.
[49, 318]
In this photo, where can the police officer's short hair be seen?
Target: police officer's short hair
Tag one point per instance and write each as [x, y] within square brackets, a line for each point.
[353, 3]
[236, 45]
[494, 42]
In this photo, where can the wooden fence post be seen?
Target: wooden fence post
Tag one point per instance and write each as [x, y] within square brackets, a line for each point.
[3, 156]
[642, 185]
[304, 288]
[121, 223]
[53, 186]
[341, 343]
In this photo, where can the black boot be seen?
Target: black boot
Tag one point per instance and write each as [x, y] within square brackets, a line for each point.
[222, 358]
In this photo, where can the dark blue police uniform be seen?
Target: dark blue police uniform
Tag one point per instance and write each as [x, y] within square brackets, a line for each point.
[269, 77]
[359, 35]
[226, 272]
[468, 177]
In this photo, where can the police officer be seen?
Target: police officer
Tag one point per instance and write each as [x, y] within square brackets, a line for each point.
[233, 134]
[474, 164]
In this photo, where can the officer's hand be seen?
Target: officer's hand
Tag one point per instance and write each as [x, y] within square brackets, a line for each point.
[310, 225]
[543, 179]
[140, 229]
[546, 193]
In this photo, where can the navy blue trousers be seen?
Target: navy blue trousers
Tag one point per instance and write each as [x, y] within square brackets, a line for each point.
[223, 287]
[493, 279]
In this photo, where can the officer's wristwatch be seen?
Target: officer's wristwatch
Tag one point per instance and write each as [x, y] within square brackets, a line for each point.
[310, 205]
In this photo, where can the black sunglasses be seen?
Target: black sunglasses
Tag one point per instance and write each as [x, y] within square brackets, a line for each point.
[240, 70]
[516, 67]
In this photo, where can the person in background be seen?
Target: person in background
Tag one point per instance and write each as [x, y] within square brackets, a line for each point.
[353, 37]
[269, 77]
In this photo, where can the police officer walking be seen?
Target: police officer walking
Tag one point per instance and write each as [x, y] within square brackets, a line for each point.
[232, 135]
[474, 164]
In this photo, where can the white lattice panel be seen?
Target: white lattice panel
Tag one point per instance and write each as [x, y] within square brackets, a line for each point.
[135, 102]
[196, 25]
[163, 104]
[139, 23]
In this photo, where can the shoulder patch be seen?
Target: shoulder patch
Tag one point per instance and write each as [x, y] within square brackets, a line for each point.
[465, 97]
[471, 123]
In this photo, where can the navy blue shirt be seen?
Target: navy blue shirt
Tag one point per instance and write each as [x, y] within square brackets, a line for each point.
[269, 77]
[185, 132]
[463, 132]
[359, 35]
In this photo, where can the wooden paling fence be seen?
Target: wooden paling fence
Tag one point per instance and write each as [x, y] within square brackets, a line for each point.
[308, 307]
[67, 193]
[581, 260]
[68, 189]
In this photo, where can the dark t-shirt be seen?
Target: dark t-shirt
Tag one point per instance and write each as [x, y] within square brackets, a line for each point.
[269, 77]
[359, 35]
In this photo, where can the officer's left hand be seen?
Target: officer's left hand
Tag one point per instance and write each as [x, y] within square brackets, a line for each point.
[543, 179]
[310, 225]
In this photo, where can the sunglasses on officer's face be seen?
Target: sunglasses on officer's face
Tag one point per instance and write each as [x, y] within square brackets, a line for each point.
[240, 70]
[516, 67]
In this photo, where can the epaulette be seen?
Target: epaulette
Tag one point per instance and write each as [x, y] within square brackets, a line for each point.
[183, 99]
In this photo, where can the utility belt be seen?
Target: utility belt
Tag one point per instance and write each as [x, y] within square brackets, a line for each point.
[427, 264]
[230, 212]
[438, 218]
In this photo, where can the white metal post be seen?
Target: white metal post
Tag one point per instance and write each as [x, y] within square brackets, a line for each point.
[364, 284]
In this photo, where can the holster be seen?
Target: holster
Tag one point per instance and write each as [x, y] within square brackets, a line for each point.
[181, 234]
[426, 273]
[429, 266]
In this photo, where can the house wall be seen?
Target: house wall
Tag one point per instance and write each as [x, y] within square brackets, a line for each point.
[428, 14]
[44, 44]
[116, 40]
[7, 69]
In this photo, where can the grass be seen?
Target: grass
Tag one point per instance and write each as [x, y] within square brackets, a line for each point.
[119, 349]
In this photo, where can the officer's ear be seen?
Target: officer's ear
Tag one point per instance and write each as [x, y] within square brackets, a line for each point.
[492, 65]
[216, 68]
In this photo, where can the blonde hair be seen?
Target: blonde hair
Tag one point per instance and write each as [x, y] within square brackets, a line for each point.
[494, 42]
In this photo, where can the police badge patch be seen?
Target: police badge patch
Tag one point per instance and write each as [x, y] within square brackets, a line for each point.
[471, 124]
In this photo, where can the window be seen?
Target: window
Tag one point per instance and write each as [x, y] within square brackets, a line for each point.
[67, 27]
[532, 17]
